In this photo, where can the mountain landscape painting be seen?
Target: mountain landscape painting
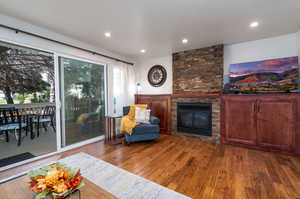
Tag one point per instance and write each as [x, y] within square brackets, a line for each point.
[269, 75]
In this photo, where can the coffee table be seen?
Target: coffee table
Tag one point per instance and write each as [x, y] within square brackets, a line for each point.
[18, 189]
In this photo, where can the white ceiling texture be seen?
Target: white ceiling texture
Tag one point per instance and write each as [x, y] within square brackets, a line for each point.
[158, 26]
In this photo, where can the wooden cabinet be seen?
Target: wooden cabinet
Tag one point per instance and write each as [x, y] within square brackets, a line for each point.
[275, 124]
[160, 107]
[261, 122]
[297, 126]
[240, 121]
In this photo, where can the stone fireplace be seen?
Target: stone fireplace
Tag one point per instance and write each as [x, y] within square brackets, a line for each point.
[202, 133]
[197, 83]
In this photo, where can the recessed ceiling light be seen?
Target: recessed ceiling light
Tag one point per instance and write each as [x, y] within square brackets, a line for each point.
[143, 51]
[254, 24]
[184, 41]
[107, 34]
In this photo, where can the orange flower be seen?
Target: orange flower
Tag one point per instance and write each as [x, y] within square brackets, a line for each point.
[59, 188]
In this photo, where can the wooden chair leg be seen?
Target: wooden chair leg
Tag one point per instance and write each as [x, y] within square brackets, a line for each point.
[125, 142]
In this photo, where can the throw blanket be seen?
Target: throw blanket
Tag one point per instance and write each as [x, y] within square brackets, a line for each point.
[127, 122]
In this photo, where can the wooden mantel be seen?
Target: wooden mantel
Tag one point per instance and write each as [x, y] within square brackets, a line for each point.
[183, 95]
[196, 95]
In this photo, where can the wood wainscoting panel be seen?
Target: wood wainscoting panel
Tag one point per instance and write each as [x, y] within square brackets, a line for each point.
[160, 107]
[297, 125]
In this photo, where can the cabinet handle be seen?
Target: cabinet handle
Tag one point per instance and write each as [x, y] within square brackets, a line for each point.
[254, 108]
[258, 108]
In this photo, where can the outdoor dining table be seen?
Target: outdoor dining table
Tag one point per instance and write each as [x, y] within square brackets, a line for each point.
[29, 120]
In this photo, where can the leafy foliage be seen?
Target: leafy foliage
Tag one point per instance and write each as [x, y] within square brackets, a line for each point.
[21, 72]
[42, 194]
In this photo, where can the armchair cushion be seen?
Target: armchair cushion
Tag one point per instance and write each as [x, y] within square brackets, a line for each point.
[154, 120]
[144, 128]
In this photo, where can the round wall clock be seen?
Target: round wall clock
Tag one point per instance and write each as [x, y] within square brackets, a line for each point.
[157, 75]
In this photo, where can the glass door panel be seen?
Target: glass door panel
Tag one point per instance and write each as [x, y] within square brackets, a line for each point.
[83, 100]
[27, 104]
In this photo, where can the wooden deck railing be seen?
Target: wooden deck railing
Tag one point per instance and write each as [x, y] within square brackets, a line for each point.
[34, 108]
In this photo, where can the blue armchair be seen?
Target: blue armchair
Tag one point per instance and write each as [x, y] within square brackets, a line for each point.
[143, 131]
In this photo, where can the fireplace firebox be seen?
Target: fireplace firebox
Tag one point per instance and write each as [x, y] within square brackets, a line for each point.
[195, 118]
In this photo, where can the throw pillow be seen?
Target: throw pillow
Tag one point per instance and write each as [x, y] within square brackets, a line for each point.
[142, 115]
[132, 110]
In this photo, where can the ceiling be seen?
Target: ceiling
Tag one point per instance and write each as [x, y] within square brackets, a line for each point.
[158, 25]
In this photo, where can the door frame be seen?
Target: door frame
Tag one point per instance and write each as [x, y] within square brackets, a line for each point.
[58, 104]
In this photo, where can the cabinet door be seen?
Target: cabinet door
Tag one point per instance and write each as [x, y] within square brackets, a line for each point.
[275, 124]
[240, 121]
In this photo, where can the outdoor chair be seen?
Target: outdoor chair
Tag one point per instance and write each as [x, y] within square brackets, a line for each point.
[47, 116]
[12, 121]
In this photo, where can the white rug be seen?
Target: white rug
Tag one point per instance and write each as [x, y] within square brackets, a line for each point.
[120, 183]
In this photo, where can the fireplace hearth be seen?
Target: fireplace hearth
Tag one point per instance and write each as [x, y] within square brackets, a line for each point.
[194, 118]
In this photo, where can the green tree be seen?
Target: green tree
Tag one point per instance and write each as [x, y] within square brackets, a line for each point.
[20, 71]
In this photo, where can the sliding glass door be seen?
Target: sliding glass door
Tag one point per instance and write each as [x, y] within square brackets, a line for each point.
[27, 104]
[83, 100]
[47, 102]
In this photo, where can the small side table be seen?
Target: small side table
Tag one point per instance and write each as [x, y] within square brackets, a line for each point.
[110, 130]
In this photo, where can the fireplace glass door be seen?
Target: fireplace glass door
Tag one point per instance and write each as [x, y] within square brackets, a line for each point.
[195, 118]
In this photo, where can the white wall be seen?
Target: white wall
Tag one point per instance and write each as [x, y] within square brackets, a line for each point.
[30, 41]
[270, 48]
[298, 44]
[142, 68]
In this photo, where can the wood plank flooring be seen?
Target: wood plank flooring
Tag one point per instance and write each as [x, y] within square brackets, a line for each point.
[201, 170]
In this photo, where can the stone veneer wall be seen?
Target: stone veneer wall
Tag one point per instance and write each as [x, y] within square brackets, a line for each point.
[216, 106]
[198, 71]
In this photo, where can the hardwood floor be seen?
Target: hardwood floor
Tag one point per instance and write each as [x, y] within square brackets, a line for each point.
[200, 169]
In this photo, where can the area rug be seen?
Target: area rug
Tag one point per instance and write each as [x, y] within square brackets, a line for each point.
[14, 159]
[117, 181]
